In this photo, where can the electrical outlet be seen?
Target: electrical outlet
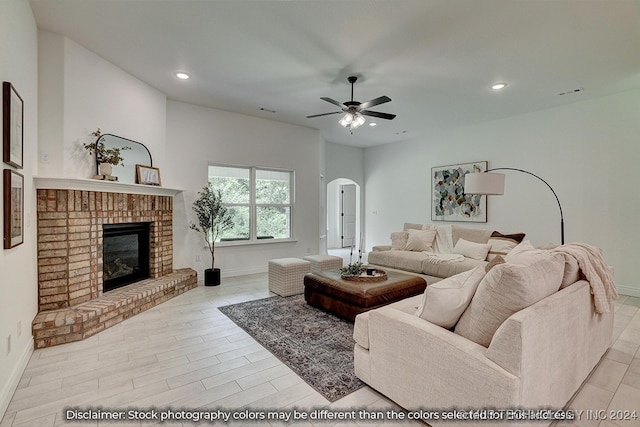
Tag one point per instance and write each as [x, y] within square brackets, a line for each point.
[197, 258]
[8, 344]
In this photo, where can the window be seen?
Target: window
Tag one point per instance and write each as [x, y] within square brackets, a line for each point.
[260, 201]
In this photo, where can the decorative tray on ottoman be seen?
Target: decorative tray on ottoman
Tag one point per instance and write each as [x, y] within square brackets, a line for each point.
[376, 276]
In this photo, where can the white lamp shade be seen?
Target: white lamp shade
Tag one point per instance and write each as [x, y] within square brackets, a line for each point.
[484, 183]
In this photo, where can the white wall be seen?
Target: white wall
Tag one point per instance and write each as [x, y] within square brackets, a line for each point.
[79, 92]
[197, 136]
[18, 290]
[587, 151]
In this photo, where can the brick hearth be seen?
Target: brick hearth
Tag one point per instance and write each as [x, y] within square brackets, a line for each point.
[70, 261]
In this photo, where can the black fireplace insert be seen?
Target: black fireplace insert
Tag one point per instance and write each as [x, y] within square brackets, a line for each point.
[125, 253]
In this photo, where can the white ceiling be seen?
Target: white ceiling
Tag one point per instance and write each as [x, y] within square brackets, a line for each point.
[435, 59]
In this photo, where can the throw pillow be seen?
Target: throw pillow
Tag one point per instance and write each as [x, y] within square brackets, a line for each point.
[571, 271]
[473, 250]
[501, 244]
[525, 251]
[420, 240]
[444, 302]
[522, 252]
[411, 226]
[399, 240]
[495, 261]
[506, 289]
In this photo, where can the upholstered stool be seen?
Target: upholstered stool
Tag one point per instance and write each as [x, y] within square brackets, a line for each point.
[286, 275]
[324, 262]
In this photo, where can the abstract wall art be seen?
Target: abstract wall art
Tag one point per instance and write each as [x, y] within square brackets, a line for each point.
[448, 201]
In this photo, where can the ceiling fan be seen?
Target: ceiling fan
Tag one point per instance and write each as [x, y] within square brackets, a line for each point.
[355, 111]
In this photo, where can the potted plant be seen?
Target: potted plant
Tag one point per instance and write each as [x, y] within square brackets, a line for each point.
[106, 157]
[213, 219]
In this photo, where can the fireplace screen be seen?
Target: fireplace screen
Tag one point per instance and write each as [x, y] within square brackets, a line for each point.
[125, 253]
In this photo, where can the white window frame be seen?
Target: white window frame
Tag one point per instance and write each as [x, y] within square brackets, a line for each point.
[253, 217]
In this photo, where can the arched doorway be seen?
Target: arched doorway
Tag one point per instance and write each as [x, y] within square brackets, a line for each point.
[344, 229]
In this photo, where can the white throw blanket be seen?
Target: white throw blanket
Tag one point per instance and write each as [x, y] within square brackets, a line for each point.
[443, 247]
[596, 271]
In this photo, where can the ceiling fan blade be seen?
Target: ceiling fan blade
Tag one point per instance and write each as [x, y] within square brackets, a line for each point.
[333, 101]
[374, 102]
[323, 114]
[377, 114]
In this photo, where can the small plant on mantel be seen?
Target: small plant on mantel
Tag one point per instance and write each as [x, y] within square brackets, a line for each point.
[109, 156]
[214, 218]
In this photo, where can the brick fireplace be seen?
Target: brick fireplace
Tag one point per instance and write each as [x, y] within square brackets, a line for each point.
[71, 301]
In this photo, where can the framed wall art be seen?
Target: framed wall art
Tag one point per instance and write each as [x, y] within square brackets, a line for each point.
[448, 201]
[13, 193]
[12, 125]
[147, 175]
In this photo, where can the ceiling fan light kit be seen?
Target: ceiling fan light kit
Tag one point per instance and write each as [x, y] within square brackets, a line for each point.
[355, 111]
[352, 120]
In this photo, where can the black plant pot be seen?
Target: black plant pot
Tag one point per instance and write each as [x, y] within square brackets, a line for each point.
[212, 277]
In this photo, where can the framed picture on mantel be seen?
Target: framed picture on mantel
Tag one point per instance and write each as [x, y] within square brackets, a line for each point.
[448, 201]
[147, 175]
[12, 126]
[13, 199]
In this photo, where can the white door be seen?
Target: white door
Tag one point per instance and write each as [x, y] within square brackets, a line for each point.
[348, 215]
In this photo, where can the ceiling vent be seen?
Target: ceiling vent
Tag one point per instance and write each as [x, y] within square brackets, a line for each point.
[570, 92]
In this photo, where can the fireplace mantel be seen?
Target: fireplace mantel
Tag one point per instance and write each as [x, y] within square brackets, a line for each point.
[50, 183]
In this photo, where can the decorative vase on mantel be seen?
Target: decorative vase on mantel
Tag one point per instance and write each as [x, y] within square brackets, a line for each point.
[105, 169]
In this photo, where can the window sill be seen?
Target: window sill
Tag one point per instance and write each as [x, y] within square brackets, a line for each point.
[254, 242]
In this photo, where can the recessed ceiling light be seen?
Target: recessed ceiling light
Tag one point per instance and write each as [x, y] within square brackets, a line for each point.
[182, 76]
[498, 86]
[373, 124]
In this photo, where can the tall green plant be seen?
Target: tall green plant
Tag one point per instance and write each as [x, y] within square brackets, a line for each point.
[213, 217]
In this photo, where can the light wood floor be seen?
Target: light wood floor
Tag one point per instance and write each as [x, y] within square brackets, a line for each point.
[186, 354]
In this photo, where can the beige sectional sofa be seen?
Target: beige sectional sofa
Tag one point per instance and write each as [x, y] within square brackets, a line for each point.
[419, 262]
[535, 359]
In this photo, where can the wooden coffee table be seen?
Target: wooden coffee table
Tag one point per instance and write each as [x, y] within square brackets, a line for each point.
[346, 298]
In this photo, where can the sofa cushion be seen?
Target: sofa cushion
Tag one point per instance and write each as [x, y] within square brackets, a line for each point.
[447, 269]
[506, 289]
[444, 302]
[420, 240]
[477, 235]
[502, 244]
[399, 240]
[361, 325]
[473, 250]
[402, 260]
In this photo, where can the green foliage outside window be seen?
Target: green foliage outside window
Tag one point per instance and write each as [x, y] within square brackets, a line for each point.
[271, 201]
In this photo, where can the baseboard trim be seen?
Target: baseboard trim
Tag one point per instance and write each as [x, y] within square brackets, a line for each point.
[7, 391]
[628, 290]
[244, 271]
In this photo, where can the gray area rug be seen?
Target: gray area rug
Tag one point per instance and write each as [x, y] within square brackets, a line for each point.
[314, 344]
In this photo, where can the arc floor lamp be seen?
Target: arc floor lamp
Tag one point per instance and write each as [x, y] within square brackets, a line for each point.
[493, 184]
